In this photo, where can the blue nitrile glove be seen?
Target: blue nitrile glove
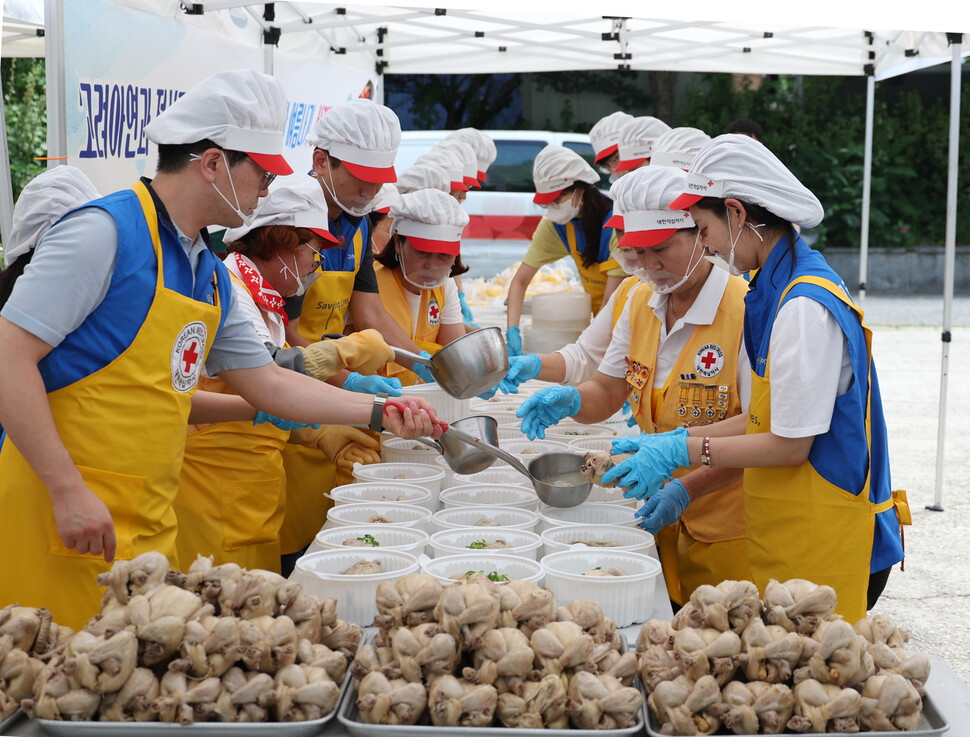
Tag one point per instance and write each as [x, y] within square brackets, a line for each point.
[423, 372]
[547, 407]
[372, 384]
[663, 508]
[631, 421]
[521, 368]
[488, 393]
[466, 311]
[513, 341]
[279, 422]
[654, 460]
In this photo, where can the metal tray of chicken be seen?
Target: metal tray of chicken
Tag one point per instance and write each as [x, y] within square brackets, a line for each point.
[310, 728]
[10, 720]
[931, 723]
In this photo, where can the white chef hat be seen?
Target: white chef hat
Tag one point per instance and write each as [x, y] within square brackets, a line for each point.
[557, 167]
[241, 110]
[448, 160]
[483, 145]
[424, 176]
[678, 147]
[636, 141]
[387, 195]
[362, 134]
[741, 167]
[46, 198]
[605, 135]
[644, 196]
[299, 205]
[469, 161]
[431, 220]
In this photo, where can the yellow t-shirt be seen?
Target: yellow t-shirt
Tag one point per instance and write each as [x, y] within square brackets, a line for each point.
[546, 247]
[612, 267]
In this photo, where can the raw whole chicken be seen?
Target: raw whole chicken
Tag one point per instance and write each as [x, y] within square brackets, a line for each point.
[382, 701]
[825, 708]
[364, 568]
[456, 702]
[540, 704]
[598, 462]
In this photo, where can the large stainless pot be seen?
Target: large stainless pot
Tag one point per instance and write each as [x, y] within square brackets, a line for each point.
[468, 366]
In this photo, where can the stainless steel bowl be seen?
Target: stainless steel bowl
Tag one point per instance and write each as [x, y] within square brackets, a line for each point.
[468, 366]
[549, 466]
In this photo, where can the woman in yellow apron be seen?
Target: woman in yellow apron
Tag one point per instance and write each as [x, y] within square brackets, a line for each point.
[675, 356]
[230, 499]
[817, 494]
[414, 271]
[574, 224]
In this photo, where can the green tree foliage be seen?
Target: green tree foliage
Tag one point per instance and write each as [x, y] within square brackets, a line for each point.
[626, 91]
[453, 100]
[25, 107]
[818, 131]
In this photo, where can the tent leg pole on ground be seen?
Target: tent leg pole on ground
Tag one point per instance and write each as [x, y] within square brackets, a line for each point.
[56, 90]
[950, 256]
[866, 187]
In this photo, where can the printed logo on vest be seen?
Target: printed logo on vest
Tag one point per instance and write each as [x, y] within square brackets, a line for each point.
[188, 355]
[709, 360]
[434, 312]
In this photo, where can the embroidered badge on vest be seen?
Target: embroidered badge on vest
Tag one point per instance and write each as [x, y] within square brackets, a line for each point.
[188, 354]
[709, 360]
[434, 312]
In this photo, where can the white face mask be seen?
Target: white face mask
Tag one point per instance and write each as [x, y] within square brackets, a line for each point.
[734, 242]
[661, 282]
[357, 212]
[562, 213]
[430, 278]
[303, 282]
[246, 219]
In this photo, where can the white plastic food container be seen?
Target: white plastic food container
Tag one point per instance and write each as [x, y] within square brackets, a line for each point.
[610, 495]
[446, 406]
[508, 565]
[627, 599]
[522, 543]
[425, 475]
[509, 518]
[510, 432]
[400, 515]
[566, 432]
[500, 473]
[502, 417]
[586, 514]
[525, 450]
[355, 594]
[628, 539]
[390, 537]
[592, 444]
[477, 495]
[400, 450]
[362, 492]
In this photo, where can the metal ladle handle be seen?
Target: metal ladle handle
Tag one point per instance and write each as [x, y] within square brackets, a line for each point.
[400, 353]
[491, 450]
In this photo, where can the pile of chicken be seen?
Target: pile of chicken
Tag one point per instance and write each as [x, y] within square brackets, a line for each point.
[219, 643]
[476, 653]
[28, 639]
[729, 661]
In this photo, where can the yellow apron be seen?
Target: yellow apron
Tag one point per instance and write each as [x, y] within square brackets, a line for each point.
[707, 544]
[623, 294]
[309, 473]
[124, 427]
[395, 300]
[327, 300]
[593, 280]
[230, 499]
[775, 550]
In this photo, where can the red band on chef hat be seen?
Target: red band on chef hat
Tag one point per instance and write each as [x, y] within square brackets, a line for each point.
[370, 166]
[646, 228]
[615, 220]
[430, 238]
[606, 153]
[697, 187]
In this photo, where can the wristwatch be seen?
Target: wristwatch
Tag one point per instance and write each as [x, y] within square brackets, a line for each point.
[377, 413]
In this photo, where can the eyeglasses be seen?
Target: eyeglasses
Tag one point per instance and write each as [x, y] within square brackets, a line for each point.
[268, 176]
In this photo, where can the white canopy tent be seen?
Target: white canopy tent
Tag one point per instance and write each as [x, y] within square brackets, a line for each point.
[826, 37]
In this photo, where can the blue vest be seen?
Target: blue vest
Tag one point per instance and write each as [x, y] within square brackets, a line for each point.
[108, 331]
[606, 234]
[841, 455]
[342, 257]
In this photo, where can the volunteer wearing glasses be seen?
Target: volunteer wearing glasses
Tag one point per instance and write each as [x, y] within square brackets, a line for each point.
[678, 355]
[106, 370]
[415, 270]
[818, 500]
[230, 499]
[574, 225]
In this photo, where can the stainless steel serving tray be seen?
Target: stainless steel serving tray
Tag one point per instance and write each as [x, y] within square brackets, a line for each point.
[10, 720]
[932, 723]
[201, 729]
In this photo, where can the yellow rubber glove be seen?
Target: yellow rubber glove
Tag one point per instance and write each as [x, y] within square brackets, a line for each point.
[364, 352]
[342, 444]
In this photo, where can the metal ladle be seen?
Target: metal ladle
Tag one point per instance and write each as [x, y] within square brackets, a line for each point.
[462, 457]
[468, 366]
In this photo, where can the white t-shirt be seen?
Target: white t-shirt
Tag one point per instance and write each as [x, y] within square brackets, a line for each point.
[450, 310]
[268, 324]
[585, 355]
[810, 366]
[672, 344]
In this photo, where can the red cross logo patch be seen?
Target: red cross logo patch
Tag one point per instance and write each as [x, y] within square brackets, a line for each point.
[434, 312]
[709, 360]
[188, 355]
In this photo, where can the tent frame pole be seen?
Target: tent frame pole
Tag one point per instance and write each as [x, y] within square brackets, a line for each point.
[956, 41]
[6, 183]
[866, 187]
[56, 88]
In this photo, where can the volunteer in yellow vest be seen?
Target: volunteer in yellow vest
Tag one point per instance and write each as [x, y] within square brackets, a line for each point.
[818, 500]
[230, 499]
[678, 355]
[414, 272]
[106, 370]
[574, 224]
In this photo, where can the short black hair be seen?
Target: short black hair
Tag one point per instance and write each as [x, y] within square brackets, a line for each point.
[747, 127]
[174, 157]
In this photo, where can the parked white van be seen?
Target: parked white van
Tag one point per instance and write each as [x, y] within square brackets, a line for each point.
[502, 214]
